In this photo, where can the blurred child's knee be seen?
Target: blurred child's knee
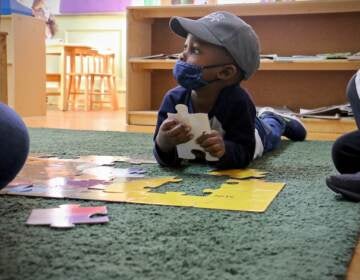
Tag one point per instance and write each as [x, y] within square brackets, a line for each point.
[14, 144]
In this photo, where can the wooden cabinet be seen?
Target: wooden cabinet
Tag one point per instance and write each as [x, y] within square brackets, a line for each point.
[25, 64]
[284, 28]
[3, 68]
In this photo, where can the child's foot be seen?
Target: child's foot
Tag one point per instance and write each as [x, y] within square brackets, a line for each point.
[294, 128]
[346, 184]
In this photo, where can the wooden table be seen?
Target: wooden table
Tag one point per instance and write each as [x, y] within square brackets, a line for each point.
[67, 53]
[3, 68]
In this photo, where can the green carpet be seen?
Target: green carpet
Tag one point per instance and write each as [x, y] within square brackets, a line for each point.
[307, 233]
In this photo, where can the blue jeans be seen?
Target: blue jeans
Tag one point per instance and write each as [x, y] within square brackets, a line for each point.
[270, 128]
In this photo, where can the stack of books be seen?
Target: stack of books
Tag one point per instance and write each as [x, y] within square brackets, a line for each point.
[317, 57]
[328, 112]
[333, 112]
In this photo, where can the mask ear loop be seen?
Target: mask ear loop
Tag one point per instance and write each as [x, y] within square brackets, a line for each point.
[215, 65]
[219, 65]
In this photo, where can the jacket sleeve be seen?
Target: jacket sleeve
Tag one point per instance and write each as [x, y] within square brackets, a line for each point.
[171, 158]
[239, 137]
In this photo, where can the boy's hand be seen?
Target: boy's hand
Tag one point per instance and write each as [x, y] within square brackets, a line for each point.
[212, 143]
[171, 133]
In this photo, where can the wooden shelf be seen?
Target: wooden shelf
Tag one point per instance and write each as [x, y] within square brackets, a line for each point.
[284, 28]
[3, 68]
[142, 117]
[249, 9]
[25, 63]
[331, 65]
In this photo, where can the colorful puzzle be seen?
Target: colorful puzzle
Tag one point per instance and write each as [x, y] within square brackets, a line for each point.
[74, 182]
[66, 216]
[59, 178]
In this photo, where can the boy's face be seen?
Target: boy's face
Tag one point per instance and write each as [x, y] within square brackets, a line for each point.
[203, 54]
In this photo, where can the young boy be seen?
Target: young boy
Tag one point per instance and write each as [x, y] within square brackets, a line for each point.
[220, 51]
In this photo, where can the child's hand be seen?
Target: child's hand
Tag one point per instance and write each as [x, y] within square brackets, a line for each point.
[171, 133]
[212, 143]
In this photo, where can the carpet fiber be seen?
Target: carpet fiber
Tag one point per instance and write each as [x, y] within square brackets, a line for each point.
[307, 233]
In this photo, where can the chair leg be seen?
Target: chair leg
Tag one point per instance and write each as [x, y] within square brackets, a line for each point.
[91, 94]
[86, 93]
[113, 93]
[103, 91]
[68, 92]
[74, 94]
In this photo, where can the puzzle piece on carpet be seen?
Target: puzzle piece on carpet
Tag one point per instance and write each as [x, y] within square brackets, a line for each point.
[199, 123]
[66, 216]
[239, 173]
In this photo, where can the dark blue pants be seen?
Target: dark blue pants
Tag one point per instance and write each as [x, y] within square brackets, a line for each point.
[346, 149]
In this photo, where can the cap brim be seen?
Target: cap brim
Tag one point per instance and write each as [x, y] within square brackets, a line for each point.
[184, 26]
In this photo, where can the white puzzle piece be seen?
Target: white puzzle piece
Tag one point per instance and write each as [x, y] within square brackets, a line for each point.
[199, 124]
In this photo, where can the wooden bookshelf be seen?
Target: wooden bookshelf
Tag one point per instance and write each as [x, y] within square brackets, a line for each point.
[284, 28]
[25, 55]
[3, 68]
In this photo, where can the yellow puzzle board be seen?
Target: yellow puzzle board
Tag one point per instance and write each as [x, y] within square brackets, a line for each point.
[238, 195]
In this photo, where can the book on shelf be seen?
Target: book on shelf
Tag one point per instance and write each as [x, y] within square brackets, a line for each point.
[355, 56]
[268, 56]
[161, 56]
[327, 112]
[317, 57]
[336, 55]
[333, 112]
[294, 58]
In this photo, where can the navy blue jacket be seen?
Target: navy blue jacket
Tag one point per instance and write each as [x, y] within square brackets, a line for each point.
[233, 110]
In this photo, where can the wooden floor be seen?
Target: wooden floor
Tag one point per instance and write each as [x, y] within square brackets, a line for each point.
[115, 121]
[81, 120]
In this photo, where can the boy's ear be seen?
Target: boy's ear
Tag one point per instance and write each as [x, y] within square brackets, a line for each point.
[227, 72]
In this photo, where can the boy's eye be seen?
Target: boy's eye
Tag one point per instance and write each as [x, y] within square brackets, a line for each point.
[196, 51]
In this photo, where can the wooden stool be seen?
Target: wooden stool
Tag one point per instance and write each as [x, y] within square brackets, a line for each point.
[79, 71]
[103, 81]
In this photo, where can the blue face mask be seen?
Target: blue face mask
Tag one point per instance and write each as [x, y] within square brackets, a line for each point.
[189, 75]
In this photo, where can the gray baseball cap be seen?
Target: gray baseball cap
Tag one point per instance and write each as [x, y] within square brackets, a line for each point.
[226, 30]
